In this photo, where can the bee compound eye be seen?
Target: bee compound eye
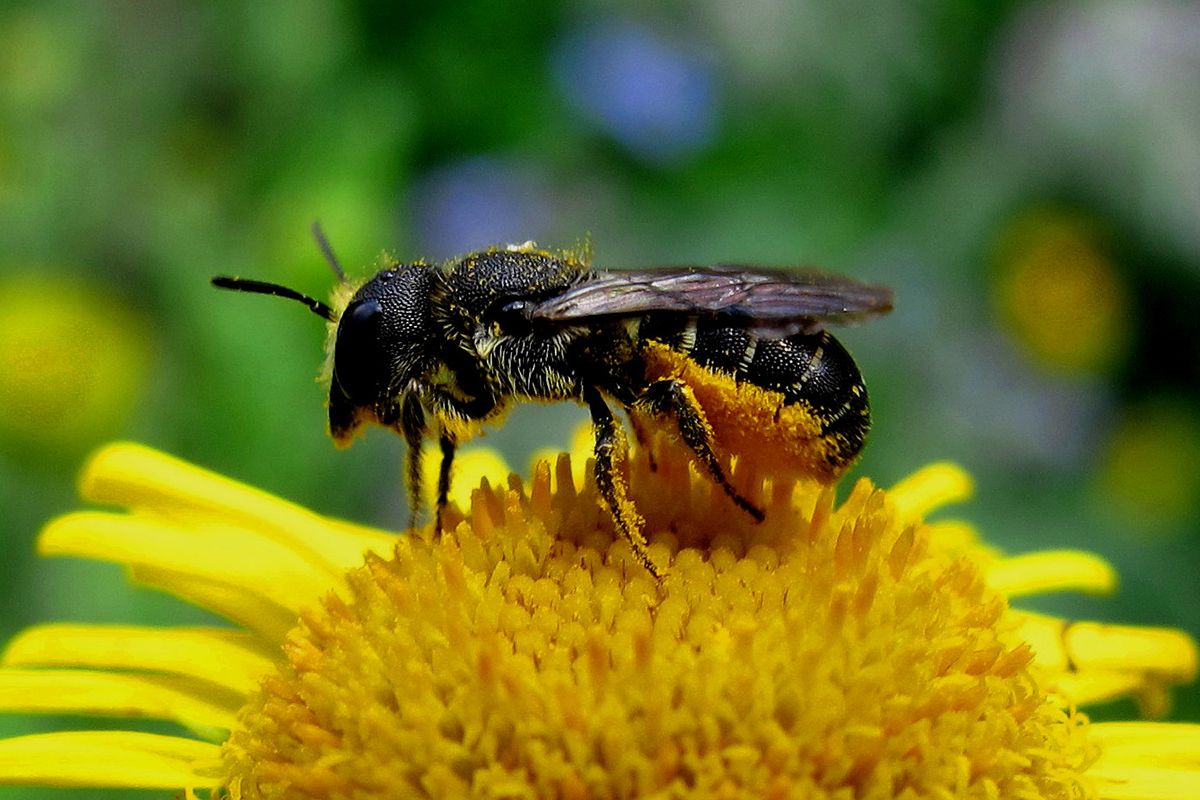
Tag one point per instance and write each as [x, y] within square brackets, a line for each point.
[520, 307]
[513, 315]
[359, 360]
[361, 314]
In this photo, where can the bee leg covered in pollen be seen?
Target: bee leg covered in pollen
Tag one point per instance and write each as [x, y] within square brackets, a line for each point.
[611, 452]
[670, 396]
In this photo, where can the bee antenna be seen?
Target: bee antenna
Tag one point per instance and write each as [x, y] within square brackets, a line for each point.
[327, 251]
[274, 289]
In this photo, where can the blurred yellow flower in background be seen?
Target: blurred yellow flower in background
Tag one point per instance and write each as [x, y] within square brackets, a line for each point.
[1150, 469]
[831, 651]
[72, 362]
[1060, 293]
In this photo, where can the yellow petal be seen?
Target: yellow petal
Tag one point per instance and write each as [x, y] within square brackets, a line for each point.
[1088, 662]
[958, 538]
[65, 691]
[1091, 688]
[109, 758]
[232, 659]
[223, 595]
[1126, 782]
[1166, 652]
[1081, 646]
[1149, 743]
[1052, 571]
[146, 480]
[930, 488]
[1147, 761]
[219, 552]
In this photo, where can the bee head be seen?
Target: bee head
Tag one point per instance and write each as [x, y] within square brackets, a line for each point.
[384, 343]
[380, 344]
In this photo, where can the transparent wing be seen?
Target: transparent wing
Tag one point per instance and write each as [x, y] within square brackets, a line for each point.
[774, 304]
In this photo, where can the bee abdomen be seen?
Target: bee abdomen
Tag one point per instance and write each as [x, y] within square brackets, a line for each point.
[814, 368]
[810, 370]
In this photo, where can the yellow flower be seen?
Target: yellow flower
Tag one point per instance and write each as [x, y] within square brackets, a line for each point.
[70, 374]
[1061, 292]
[1149, 474]
[833, 651]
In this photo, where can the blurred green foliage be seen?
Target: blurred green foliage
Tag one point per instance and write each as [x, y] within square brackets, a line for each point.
[147, 146]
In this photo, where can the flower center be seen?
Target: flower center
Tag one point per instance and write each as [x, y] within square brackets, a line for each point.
[823, 653]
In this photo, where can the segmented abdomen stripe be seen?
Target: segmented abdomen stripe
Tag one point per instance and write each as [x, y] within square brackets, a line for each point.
[814, 369]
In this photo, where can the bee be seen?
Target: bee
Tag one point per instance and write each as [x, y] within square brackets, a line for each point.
[440, 350]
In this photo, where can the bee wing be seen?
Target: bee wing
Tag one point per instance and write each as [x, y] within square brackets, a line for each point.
[771, 304]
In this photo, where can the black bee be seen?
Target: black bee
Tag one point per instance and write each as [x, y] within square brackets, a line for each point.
[431, 350]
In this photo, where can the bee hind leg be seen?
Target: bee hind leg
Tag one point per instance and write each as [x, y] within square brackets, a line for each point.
[669, 396]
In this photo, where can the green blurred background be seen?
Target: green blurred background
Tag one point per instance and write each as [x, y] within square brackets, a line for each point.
[1025, 175]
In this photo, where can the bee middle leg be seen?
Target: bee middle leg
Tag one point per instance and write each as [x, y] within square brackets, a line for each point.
[610, 451]
[669, 396]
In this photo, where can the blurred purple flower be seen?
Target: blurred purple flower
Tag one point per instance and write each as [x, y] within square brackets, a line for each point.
[656, 97]
[479, 202]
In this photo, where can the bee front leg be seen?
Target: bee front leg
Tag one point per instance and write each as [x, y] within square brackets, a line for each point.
[669, 396]
[412, 426]
[449, 411]
[611, 450]
[448, 445]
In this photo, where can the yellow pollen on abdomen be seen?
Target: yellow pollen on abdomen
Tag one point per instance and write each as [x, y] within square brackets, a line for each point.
[753, 423]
